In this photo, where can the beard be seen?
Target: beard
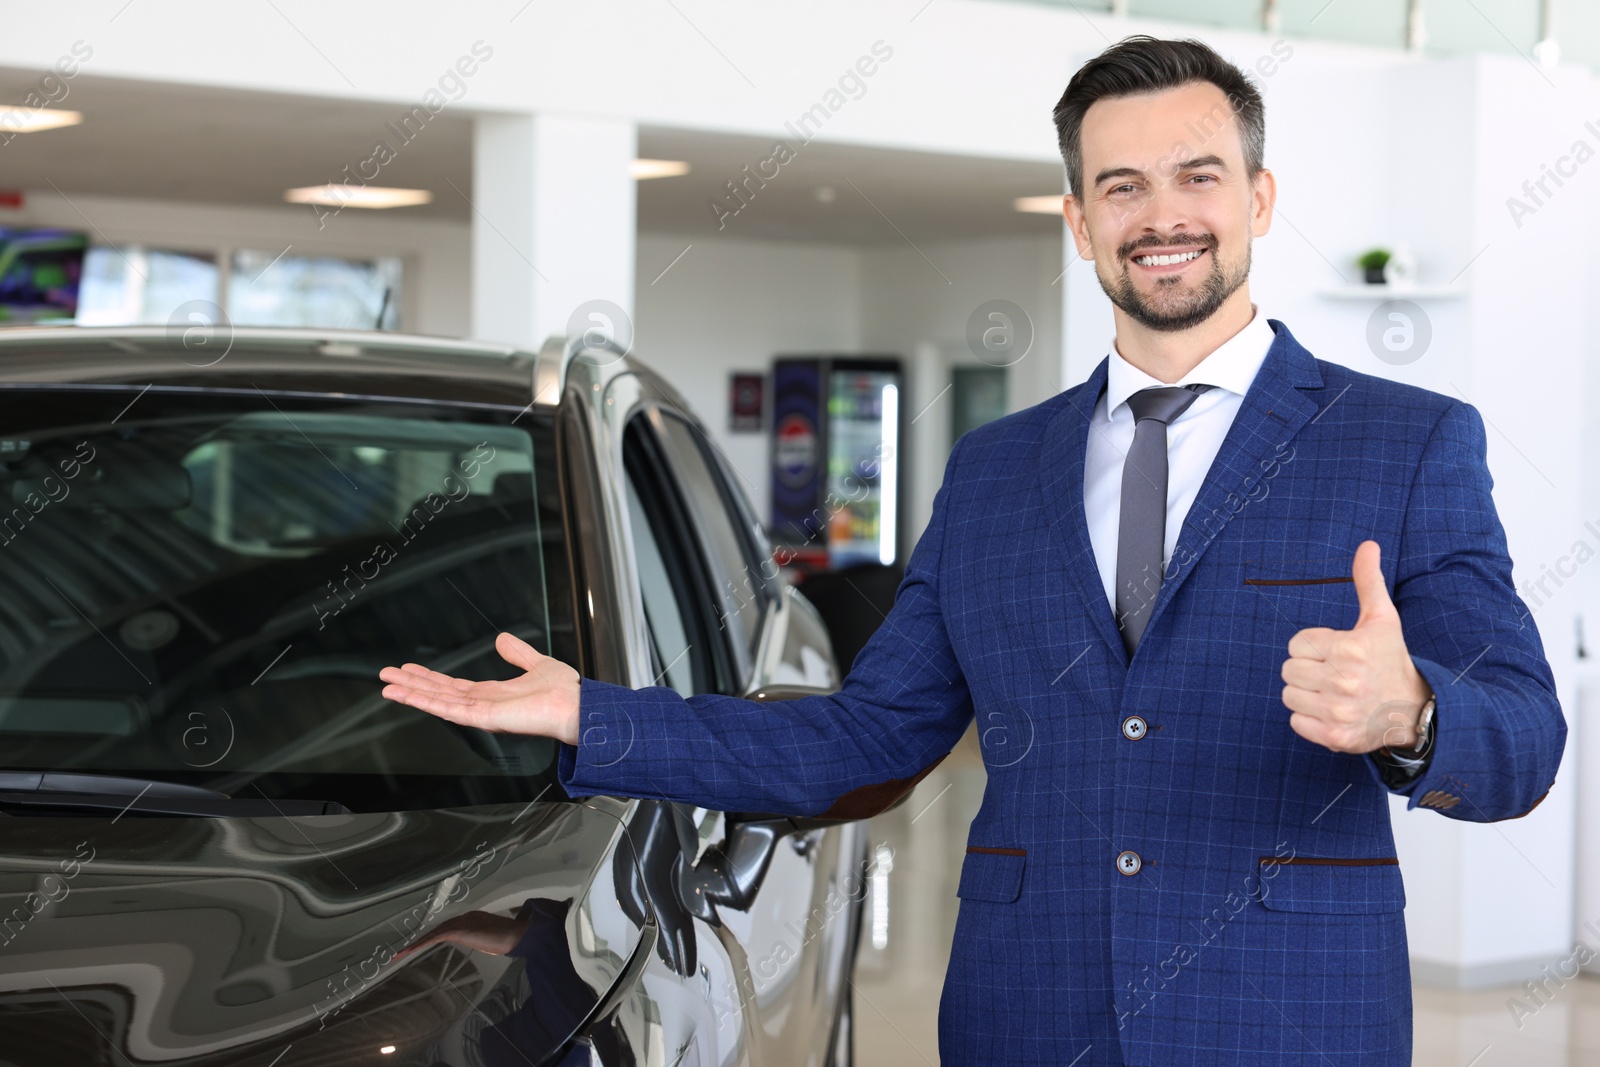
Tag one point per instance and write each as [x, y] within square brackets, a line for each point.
[1176, 305]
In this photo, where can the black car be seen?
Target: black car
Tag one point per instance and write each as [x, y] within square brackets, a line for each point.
[217, 840]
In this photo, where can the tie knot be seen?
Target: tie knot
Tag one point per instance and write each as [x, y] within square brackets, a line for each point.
[1164, 403]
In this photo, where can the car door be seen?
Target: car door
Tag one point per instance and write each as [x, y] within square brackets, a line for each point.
[796, 932]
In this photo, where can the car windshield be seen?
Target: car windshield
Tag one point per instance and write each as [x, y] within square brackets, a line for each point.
[201, 587]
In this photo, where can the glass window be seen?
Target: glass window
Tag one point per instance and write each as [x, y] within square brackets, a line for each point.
[206, 590]
[742, 588]
[674, 578]
[668, 629]
[271, 288]
[137, 286]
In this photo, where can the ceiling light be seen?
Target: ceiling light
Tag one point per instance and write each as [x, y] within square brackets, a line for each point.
[644, 169]
[1038, 205]
[341, 195]
[385, 1050]
[34, 119]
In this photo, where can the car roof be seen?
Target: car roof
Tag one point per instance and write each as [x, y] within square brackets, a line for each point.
[348, 362]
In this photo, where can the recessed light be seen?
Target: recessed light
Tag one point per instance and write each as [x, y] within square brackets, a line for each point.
[372, 196]
[825, 194]
[645, 169]
[1039, 205]
[385, 1050]
[34, 119]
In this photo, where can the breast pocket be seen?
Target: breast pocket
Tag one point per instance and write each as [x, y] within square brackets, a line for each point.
[1302, 593]
[992, 874]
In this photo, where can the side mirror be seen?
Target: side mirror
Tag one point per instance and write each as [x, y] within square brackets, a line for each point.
[731, 875]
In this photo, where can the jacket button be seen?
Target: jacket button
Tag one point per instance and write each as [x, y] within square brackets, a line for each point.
[1129, 862]
[1133, 728]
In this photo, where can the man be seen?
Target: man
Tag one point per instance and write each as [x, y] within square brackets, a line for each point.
[1205, 632]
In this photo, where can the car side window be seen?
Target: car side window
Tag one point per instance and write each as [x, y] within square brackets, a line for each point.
[669, 631]
[741, 588]
[674, 580]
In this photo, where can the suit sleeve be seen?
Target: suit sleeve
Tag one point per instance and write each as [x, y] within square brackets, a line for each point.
[900, 710]
[1498, 727]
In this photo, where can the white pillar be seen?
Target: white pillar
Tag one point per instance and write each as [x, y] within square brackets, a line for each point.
[1494, 904]
[553, 223]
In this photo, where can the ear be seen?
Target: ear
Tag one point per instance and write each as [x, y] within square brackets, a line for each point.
[1263, 196]
[1072, 209]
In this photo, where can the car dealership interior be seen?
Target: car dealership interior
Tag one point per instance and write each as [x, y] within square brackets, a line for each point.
[835, 231]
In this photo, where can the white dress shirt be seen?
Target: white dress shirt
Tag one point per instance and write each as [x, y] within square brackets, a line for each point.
[1193, 438]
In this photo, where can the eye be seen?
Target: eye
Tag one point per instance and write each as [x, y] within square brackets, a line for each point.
[1119, 188]
[1206, 177]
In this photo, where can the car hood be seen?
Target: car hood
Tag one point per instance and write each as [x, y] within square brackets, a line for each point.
[228, 941]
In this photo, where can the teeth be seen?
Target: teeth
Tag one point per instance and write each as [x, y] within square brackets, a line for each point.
[1162, 261]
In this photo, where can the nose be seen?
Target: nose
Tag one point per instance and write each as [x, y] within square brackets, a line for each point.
[1161, 215]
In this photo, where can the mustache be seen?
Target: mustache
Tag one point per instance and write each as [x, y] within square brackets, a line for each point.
[1133, 248]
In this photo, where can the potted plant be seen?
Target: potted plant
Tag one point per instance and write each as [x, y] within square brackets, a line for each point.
[1372, 263]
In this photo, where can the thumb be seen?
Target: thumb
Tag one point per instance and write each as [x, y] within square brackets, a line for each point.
[1371, 593]
[517, 652]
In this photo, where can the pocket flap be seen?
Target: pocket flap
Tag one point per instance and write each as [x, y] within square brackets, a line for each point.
[1331, 886]
[992, 874]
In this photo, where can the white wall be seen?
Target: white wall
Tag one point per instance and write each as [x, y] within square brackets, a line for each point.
[917, 301]
[732, 305]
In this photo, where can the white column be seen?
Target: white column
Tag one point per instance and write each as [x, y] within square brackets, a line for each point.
[553, 223]
[1494, 904]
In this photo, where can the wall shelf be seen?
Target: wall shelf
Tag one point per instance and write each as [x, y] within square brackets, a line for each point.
[1390, 292]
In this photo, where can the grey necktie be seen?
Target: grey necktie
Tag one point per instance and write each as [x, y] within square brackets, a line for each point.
[1142, 525]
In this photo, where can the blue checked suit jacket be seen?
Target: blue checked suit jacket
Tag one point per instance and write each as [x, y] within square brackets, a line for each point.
[1264, 924]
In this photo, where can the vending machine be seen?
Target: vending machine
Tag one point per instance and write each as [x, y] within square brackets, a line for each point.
[836, 437]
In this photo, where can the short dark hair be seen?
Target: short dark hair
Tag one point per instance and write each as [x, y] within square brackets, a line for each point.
[1145, 64]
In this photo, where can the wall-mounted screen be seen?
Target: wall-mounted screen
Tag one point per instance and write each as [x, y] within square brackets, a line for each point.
[39, 274]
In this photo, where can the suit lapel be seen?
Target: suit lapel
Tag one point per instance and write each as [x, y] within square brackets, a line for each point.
[1061, 478]
[1273, 411]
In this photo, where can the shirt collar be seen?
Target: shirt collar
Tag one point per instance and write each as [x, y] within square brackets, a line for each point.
[1232, 366]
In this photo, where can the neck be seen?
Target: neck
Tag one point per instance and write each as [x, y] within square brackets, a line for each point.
[1167, 356]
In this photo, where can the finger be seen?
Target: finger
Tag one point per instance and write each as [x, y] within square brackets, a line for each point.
[1371, 592]
[398, 676]
[1312, 729]
[1313, 675]
[1301, 701]
[1314, 642]
[517, 652]
[417, 670]
[405, 687]
[425, 684]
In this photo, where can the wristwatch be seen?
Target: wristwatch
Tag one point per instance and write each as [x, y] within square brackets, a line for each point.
[1407, 757]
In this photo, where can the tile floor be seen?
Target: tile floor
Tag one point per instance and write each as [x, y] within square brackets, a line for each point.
[906, 942]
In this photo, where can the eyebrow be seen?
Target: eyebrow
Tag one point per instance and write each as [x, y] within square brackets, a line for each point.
[1134, 172]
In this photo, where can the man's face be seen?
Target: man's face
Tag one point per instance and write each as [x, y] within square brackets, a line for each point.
[1164, 176]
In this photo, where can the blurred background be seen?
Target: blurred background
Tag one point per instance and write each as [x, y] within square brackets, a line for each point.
[836, 228]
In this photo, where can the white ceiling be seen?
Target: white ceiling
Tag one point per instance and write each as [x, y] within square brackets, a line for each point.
[183, 143]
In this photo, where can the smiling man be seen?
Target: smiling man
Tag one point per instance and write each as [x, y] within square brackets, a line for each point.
[1210, 608]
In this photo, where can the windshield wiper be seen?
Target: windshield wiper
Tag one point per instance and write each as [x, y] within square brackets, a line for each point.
[60, 792]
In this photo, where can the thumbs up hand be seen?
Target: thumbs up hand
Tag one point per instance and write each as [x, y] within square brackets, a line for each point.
[1356, 690]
